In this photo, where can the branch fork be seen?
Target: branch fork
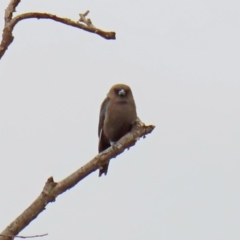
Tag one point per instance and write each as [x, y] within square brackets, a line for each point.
[85, 20]
[10, 22]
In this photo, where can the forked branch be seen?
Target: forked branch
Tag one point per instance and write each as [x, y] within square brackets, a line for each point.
[10, 22]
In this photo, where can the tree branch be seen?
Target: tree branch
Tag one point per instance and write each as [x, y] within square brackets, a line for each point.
[52, 189]
[10, 23]
[34, 236]
[11, 8]
[87, 27]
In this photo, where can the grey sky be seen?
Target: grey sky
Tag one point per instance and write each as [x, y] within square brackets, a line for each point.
[181, 59]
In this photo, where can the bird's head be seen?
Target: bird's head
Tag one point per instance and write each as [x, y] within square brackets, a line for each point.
[120, 91]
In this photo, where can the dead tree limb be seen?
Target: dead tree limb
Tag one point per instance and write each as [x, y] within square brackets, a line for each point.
[52, 189]
[10, 23]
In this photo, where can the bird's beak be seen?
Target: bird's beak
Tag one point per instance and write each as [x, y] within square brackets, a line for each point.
[122, 92]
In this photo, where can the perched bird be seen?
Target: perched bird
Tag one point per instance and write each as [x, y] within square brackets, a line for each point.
[117, 115]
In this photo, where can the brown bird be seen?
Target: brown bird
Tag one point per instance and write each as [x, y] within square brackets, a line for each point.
[117, 115]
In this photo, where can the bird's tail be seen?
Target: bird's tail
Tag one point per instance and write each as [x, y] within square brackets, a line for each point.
[103, 169]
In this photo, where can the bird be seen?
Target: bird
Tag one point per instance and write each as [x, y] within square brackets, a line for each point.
[116, 118]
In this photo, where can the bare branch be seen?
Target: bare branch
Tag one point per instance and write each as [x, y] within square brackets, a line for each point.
[7, 36]
[11, 8]
[52, 189]
[35, 236]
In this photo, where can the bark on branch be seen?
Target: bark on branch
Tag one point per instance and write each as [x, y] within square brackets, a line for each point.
[10, 23]
[52, 189]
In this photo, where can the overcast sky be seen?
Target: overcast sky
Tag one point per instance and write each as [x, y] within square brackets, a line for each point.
[181, 59]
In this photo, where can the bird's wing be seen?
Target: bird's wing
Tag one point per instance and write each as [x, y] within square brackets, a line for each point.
[103, 141]
[102, 116]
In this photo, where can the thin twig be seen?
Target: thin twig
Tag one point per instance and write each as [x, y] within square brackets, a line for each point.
[85, 20]
[35, 236]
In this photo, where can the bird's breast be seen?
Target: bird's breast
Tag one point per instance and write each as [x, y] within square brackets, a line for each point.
[119, 119]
